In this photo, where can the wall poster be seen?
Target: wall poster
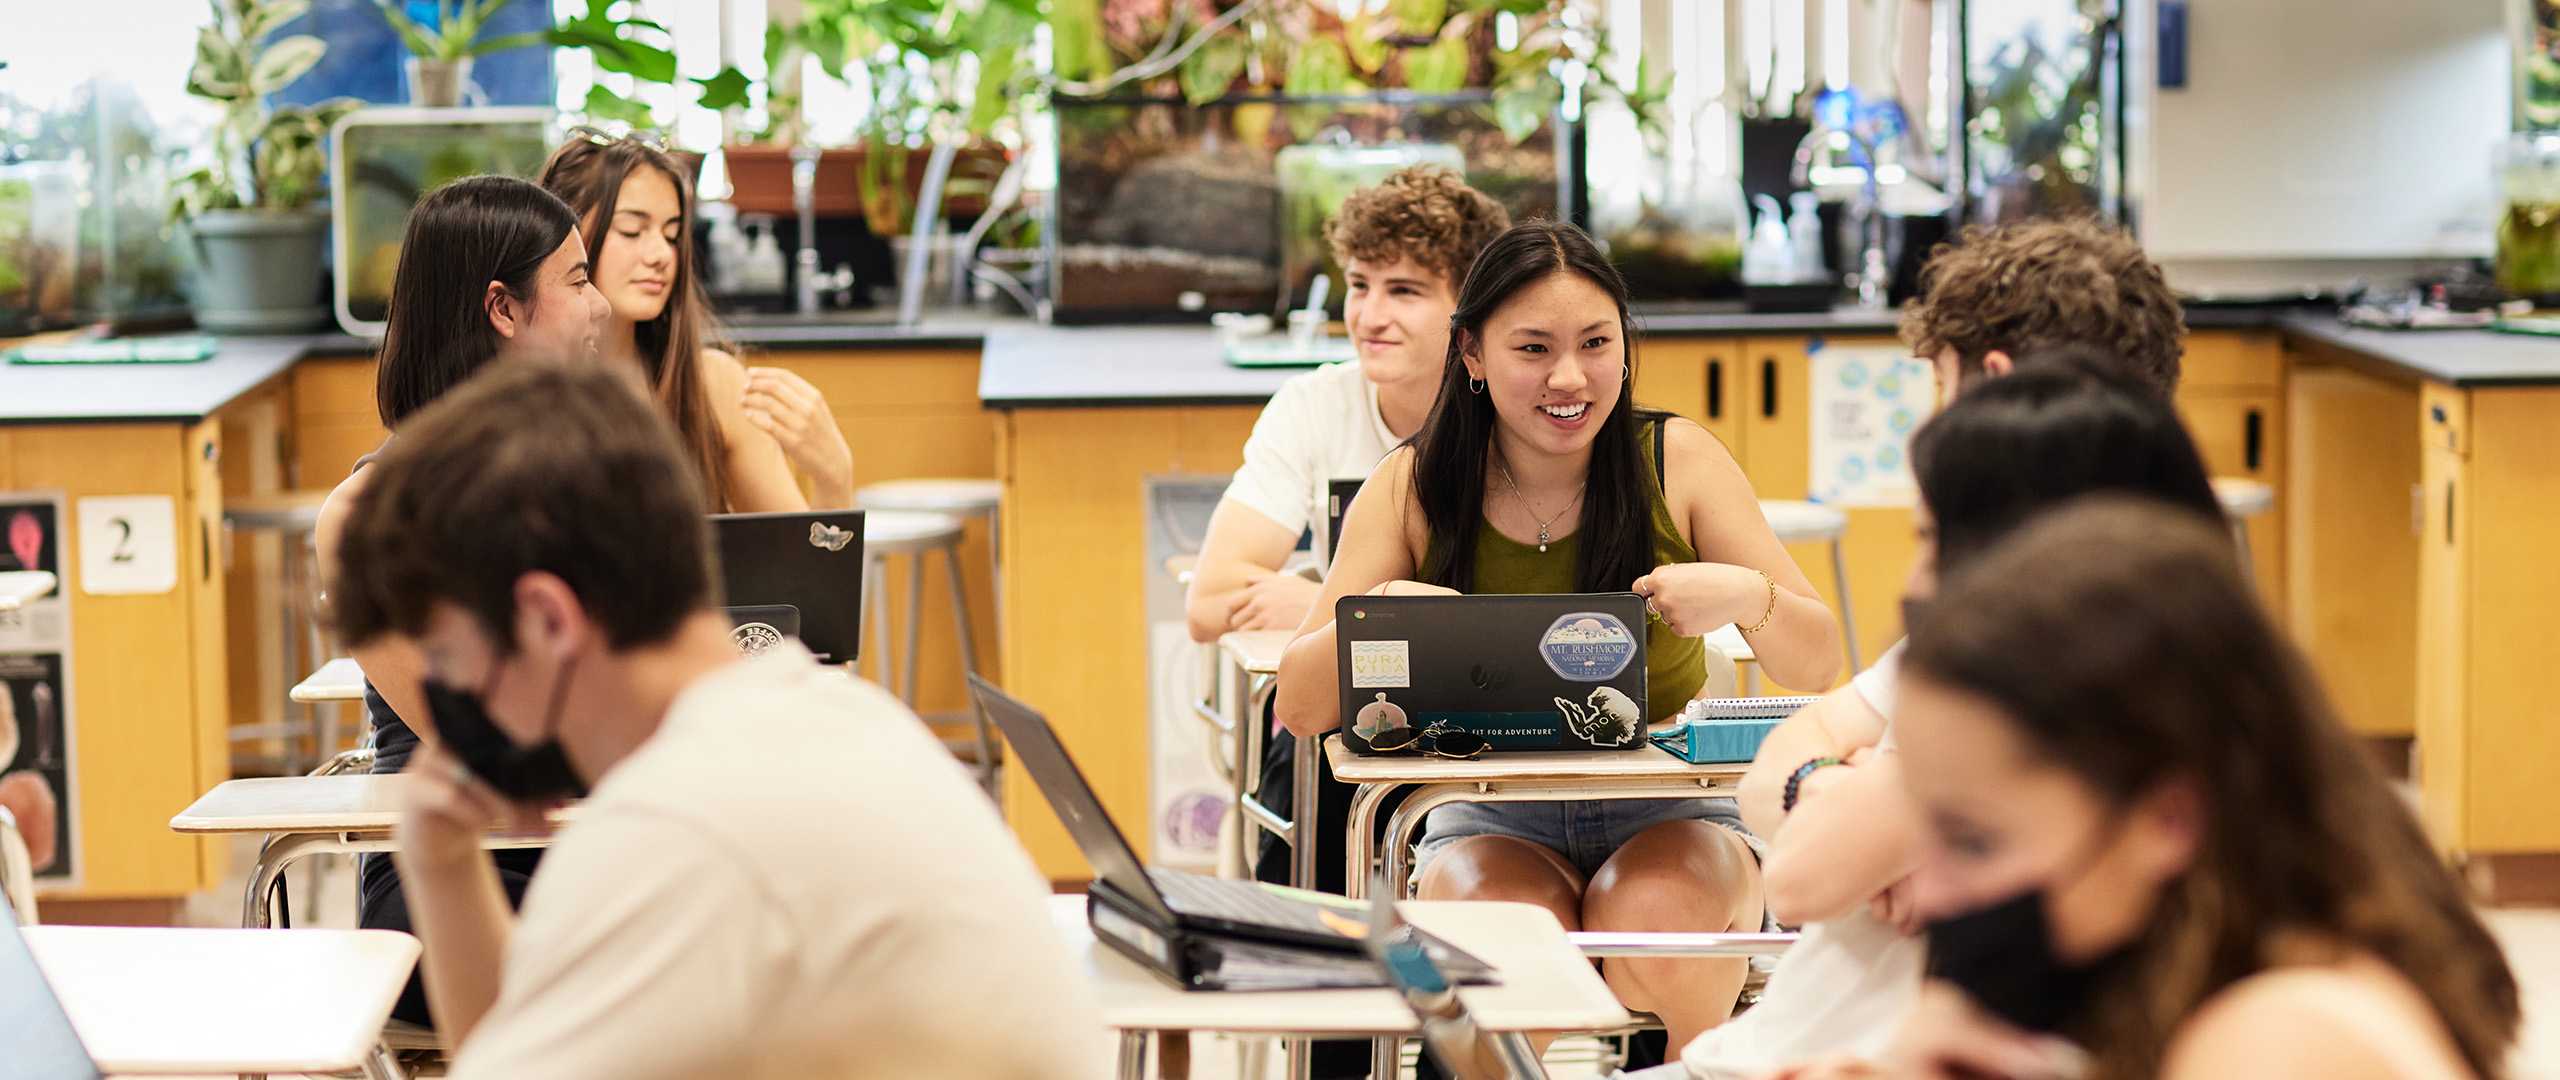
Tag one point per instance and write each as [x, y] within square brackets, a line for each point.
[35, 691]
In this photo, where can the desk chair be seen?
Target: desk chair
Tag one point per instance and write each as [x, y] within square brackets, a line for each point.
[962, 497]
[291, 517]
[1798, 522]
[2242, 499]
[916, 534]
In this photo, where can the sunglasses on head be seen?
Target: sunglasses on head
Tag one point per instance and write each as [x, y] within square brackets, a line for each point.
[1441, 739]
[654, 140]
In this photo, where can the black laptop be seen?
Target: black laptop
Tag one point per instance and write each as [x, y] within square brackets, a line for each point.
[1176, 899]
[36, 1040]
[793, 575]
[1561, 671]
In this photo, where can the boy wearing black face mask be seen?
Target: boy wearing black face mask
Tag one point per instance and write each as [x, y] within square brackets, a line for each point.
[767, 873]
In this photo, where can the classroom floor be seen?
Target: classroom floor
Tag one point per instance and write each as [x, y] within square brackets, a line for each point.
[2531, 937]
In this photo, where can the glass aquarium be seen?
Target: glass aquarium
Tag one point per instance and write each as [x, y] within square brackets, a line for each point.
[84, 212]
[386, 159]
[2042, 114]
[1165, 210]
[2528, 262]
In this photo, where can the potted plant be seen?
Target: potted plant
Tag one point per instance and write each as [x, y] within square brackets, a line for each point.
[941, 75]
[258, 240]
[440, 53]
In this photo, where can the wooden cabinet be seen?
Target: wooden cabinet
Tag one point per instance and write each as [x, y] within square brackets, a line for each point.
[2443, 675]
[2232, 396]
[2353, 525]
[1696, 378]
[2488, 692]
[1777, 454]
[905, 413]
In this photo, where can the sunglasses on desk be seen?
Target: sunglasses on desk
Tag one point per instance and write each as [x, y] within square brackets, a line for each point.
[1442, 739]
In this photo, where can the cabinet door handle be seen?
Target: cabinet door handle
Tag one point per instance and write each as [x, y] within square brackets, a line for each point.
[2448, 513]
[2253, 434]
[1715, 389]
[1768, 388]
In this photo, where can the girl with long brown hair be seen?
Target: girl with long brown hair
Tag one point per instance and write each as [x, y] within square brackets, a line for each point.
[2152, 850]
[747, 429]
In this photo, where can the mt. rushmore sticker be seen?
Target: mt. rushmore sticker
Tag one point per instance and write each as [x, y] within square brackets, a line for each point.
[1588, 646]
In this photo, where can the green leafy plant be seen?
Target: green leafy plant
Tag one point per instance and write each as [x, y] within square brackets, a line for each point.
[939, 74]
[262, 158]
[455, 34]
[1308, 50]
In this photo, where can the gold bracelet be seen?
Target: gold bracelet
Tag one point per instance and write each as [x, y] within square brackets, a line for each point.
[1772, 611]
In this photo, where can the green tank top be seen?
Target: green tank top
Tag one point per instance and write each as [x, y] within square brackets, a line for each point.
[1675, 666]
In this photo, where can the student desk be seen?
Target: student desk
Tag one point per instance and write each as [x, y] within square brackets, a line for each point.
[1247, 663]
[304, 816]
[1556, 776]
[19, 586]
[196, 1002]
[338, 680]
[1546, 985]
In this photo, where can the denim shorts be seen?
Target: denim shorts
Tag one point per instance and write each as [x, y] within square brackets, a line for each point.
[1586, 833]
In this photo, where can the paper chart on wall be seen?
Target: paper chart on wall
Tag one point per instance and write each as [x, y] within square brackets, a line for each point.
[36, 749]
[1866, 402]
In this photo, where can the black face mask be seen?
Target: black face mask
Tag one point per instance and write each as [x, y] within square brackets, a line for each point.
[537, 773]
[2002, 956]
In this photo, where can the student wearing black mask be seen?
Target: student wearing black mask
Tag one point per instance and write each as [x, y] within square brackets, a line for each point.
[775, 872]
[2150, 848]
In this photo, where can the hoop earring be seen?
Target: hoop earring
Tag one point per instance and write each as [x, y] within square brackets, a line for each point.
[1475, 385]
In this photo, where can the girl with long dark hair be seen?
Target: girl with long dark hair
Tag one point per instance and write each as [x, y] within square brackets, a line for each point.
[1536, 473]
[492, 269]
[2151, 849]
[745, 428]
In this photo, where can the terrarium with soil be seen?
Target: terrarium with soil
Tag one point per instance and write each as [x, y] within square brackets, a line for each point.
[1167, 210]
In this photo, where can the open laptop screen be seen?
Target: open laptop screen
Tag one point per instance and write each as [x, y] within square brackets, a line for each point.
[810, 562]
[36, 1040]
[1035, 745]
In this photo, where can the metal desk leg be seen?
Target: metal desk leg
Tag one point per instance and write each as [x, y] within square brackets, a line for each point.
[1303, 779]
[1358, 842]
[1133, 1055]
[381, 1064]
[1849, 622]
[258, 908]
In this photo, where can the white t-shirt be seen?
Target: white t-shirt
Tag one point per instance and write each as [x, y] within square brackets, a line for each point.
[1881, 683]
[1845, 983]
[791, 878]
[1322, 426]
[1841, 988]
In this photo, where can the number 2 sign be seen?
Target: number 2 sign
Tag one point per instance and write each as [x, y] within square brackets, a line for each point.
[128, 544]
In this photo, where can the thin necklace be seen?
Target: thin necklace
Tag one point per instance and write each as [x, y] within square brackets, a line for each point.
[1545, 524]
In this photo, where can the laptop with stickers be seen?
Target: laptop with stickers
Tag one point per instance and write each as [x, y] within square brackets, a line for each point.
[793, 575]
[1562, 671]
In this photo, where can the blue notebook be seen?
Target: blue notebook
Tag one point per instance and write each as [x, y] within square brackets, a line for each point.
[1726, 731]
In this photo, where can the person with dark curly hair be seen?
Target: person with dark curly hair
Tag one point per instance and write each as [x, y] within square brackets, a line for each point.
[1404, 245]
[2000, 293]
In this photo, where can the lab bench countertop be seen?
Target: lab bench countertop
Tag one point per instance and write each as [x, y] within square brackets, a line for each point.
[185, 393]
[1028, 365]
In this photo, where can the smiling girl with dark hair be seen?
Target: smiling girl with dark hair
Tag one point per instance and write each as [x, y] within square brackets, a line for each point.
[1536, 473]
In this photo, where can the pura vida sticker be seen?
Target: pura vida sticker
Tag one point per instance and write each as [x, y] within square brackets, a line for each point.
[1384, 665]
[1588, 646]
